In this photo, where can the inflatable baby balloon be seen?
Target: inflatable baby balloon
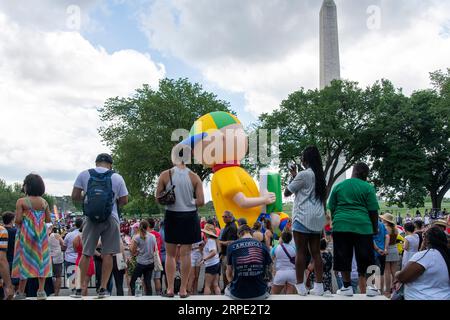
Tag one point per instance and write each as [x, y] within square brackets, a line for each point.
[218, 141]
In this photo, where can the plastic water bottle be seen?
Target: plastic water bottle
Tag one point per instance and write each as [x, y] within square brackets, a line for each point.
[138, 288]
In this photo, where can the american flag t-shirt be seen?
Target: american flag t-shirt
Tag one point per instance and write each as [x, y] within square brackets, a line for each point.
[250, 255]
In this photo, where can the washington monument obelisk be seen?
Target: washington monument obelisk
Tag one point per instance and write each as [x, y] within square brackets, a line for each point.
[330, 68]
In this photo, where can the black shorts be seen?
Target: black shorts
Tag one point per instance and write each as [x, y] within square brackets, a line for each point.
[380, 261]
[57, 270]
[182, 227]
[215, 269]
[343, 245]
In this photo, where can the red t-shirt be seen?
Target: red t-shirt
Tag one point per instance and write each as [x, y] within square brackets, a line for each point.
[158, 240]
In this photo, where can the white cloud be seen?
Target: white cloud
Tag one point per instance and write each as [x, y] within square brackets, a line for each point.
[266, 49]
[51, 83]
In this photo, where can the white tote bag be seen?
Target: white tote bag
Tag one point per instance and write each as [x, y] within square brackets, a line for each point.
[121, 264]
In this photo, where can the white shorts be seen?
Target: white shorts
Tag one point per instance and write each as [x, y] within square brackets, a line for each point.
[196, 257]
[284, 276]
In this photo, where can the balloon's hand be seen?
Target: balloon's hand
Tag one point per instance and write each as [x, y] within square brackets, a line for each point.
[269, 198]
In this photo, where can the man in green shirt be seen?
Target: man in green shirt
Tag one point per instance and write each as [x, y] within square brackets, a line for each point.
[354, 213]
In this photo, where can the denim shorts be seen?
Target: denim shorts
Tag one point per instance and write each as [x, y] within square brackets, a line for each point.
[298, 227]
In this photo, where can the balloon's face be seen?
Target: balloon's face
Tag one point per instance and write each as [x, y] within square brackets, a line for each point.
[225, 145]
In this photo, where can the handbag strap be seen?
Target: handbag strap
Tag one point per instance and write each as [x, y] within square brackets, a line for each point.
[170, 177]
[287, 253]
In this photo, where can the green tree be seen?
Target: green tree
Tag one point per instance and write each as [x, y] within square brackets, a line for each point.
[9, 194]
[138, 129]
[339, 120]
[413, 158]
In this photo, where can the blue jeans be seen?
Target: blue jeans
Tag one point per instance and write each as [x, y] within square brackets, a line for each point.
[299, 227]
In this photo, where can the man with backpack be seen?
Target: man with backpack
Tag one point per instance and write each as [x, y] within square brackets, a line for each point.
[102, 192]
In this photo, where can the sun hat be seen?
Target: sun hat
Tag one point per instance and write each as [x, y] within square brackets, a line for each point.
[388, 218]
[135, 226]
[440, 222]
[210, 230]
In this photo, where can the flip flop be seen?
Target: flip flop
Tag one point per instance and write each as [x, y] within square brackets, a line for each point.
[184, 296]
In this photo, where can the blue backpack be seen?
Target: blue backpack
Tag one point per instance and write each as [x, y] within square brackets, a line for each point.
[98, 199]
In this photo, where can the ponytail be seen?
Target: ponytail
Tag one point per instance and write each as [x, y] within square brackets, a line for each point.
[143, 226]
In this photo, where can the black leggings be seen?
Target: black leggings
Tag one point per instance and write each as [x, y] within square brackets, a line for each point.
[118, 277]
[147, 271]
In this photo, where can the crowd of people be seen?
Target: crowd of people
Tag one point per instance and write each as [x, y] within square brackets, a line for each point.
[333, 244]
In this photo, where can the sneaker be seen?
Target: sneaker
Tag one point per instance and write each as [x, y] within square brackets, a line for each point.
[372, 291]
[76, 294]
[301, 289]
[317, 290]
[348, 292]
[20, 296]
[41, 295]
[103, 293]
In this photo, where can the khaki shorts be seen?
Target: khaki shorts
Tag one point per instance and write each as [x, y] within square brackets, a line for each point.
[108, 232]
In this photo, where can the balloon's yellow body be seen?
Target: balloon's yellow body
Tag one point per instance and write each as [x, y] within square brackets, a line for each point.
[228, 182]
[223, 132]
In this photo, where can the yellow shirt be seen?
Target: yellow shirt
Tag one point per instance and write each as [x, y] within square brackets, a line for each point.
[225, 184]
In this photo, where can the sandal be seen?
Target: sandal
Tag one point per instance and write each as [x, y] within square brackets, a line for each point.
[184, 296]
[167, 295]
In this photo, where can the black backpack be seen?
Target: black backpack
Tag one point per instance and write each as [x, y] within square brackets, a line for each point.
[98, 199]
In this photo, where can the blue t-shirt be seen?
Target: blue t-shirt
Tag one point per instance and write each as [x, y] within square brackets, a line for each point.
[249, 259]
[380, 238]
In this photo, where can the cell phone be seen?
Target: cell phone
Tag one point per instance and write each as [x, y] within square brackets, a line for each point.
[292, 166]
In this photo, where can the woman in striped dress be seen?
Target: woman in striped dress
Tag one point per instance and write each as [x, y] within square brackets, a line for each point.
[32, 255]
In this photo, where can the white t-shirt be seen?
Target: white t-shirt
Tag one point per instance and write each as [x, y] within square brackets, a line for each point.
[413, 241]
[282, 261]
[210, 246]
[55, 249]
[434, 283]
[118, 186]
[70, 254]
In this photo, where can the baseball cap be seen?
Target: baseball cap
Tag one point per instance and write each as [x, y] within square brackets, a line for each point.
[242, 221]
[104, 157]
[244, 228]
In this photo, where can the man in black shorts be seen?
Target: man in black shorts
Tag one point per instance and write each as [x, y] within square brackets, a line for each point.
[354, 211]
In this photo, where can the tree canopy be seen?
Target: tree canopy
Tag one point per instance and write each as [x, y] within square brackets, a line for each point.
[413, 157]
[138, 129]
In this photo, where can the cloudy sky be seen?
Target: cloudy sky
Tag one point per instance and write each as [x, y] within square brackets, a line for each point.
[60, 60]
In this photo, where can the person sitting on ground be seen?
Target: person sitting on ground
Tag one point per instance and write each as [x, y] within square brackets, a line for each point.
[247, 261]
[427, 274]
